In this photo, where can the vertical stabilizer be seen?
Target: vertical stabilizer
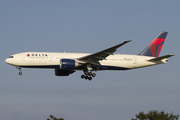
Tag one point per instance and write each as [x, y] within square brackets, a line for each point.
[154, 48]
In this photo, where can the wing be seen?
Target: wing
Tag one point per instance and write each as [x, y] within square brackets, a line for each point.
[93, 58]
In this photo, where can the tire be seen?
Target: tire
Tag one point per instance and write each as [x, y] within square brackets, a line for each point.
[94, 74]
[82, 76]
[89, 78]
[86, 77]
[86, 72]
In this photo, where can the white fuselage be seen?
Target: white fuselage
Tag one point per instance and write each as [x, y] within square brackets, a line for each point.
[52, 60]
[65, 64]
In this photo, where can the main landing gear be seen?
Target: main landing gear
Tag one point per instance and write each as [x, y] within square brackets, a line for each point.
[88, 75]
[19, 68]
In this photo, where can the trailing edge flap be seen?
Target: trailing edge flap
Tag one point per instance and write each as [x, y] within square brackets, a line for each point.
[160, 58]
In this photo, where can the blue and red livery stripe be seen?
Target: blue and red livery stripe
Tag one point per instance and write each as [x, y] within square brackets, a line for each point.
[154, 48]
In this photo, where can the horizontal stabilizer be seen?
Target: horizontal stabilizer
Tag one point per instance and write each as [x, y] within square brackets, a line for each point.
[160, 58]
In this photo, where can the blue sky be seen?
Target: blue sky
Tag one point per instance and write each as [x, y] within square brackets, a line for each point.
[87, 27]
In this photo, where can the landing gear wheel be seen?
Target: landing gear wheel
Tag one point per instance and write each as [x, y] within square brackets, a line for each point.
[20, 73]
[82, 76]
[86, 72]
[90, 73]
[89, 78]
[94, 74]
[86, 77]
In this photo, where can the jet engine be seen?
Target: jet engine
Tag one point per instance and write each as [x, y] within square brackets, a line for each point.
[68, 64]
[59, 72]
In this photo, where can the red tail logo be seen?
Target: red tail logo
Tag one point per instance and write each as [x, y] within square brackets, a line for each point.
[154, 48]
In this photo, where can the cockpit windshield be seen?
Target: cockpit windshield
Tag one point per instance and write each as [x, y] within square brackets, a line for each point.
[11, 56]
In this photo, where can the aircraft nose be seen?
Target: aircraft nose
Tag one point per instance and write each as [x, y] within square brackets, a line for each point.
[8, 61]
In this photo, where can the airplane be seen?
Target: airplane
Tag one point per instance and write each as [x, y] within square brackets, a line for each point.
[65, 64]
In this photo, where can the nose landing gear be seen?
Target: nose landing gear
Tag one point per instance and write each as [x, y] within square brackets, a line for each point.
[20, 73]
[19, 68]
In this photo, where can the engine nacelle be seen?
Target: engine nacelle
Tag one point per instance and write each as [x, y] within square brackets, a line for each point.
[68, 64]
[59, 72]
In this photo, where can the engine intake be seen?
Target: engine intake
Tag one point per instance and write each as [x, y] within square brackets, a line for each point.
[68, 64]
